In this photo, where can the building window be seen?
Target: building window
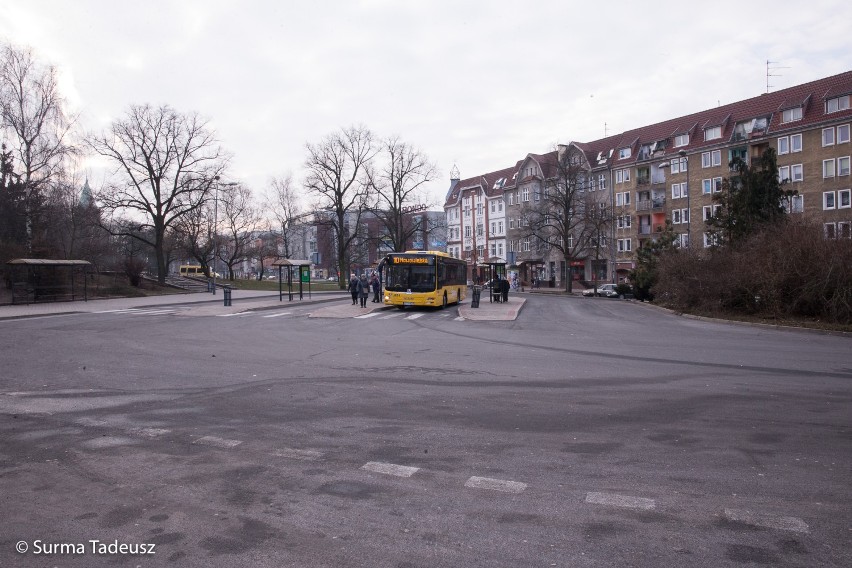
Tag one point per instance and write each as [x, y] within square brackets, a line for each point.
[791, 114]
[830, 230]
[681, 140]
[625, 245]
[710, 240]
[844, 199]
[479, 209]
[784, 174]
[500, 205]
[843, 166]
[706, 186]
[783, 145]
[526, 194]
[602, 181]
[537, 193]
[467, 231]
[624, 221]
[844, 230]
[622, 198]
[710, 211]
[836, 104]
[622, 176]
[711, 159]
[679, 165]
[499, 249]
[526, 245]
[828, 201]
[493, 206]
[843, 133]
[676, 217]
[795, 142]
[794, 204]
[511, 198]
[493, 227]
[499, 227]
[623, 153]
[797, 172]
[828, 168]
[684, 215]
[713, 133]
[679, 190]
[828, 137]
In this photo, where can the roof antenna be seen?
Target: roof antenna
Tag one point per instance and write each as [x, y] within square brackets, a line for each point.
[769, 74]
[604, 129]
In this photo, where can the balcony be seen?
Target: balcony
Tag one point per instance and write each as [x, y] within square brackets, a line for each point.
[655, 204]
[644, 230]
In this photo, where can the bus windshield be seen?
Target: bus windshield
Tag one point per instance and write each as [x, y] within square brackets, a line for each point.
[416, 278]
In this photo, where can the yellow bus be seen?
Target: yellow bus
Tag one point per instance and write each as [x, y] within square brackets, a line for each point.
[423, 278]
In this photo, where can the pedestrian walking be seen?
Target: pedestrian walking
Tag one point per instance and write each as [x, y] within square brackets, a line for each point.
[353, 288]
[363, 288]
[376, 287]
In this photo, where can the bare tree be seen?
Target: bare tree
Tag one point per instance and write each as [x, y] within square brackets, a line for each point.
[194, 235]
[36, 126]
[338, 176]
[240, 220]
[558, 220]
[168, 162]
[282, 202]
[398, 185]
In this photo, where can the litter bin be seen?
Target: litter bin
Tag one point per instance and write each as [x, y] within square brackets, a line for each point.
[227, 293]
[474, 302]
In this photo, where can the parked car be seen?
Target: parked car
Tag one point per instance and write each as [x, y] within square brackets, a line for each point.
[605, 290]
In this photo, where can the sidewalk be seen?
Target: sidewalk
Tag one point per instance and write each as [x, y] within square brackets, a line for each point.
[206, 304]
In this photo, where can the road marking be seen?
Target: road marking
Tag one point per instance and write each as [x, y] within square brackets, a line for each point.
[217, 442]
[293, 453]
[148, 432]
[460, 318]
[226, 315]
[390, 316]
[365, 316]
[495, 484]
[390, 469]
[278, 314]
[624, 501]
[767, 521]
[116, 311]
[414, 316]
[154, 312]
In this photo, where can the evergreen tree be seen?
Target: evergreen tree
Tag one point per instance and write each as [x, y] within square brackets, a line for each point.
[752, 198]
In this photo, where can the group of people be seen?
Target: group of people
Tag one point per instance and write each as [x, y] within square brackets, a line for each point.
[361, 287]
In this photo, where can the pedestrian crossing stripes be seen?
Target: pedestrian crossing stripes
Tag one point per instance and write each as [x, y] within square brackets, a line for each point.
[140, 311]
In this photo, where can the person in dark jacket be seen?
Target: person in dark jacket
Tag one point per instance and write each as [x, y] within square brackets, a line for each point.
[363, 287]
[376, 286]
[353, 288]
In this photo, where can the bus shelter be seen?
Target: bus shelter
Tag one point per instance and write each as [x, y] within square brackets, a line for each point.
[48, 280]
[497, 277]
[302, 268]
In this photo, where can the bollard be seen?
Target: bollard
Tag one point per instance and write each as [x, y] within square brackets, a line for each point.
[474, 302]
[226, 291]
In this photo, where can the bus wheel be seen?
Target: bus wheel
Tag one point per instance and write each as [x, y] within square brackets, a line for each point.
[445, 301]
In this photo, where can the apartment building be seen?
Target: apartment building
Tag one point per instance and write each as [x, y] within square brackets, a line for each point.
[669, 171]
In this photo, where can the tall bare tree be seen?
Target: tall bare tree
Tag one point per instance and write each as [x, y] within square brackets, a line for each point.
[166, 164]
[398, 185]
[338, 176]
[282, 202]
[240, 223]
[36, 126]
[558, 220]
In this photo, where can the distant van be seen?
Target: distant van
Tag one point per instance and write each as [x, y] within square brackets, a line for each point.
[192, 270]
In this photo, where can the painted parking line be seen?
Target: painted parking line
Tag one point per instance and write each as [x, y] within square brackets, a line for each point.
[307, 455]
[149, 432]
[390, 469]
[279, 314]
[779, 522]
[217, 442]
[624, 501]
[495, 484]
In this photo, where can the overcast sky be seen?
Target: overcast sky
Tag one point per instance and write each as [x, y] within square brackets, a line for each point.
[475, 84]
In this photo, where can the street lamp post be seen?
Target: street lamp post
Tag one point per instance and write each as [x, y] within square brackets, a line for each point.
[216, 227]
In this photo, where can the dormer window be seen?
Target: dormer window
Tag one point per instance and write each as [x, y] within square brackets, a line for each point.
[623, 153]
[791, 114]
[836, 104]
[681, 140]
[712, 133]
